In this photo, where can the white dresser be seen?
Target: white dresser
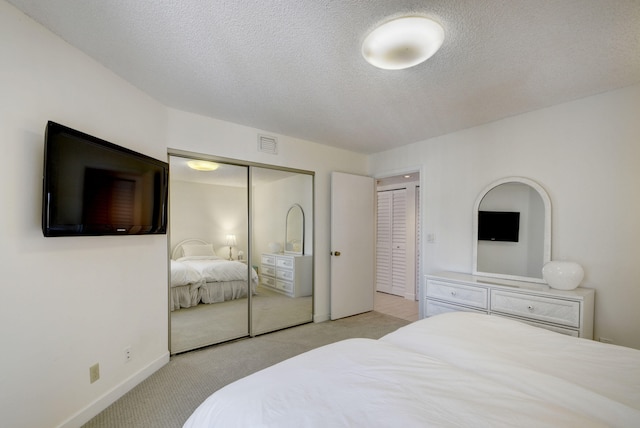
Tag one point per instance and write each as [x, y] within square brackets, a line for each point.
[567, 312]
[287, 273]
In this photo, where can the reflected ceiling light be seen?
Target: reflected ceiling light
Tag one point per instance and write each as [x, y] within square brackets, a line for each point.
[402, 42]
[201, 165]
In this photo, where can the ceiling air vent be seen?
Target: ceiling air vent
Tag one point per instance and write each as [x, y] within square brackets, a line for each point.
[268, 144]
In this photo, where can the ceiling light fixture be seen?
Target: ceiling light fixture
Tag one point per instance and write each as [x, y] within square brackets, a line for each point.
[402, 42]
[201, 165]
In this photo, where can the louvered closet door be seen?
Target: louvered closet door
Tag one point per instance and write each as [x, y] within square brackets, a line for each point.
[391, 251]
[383, 243]
[399, 242]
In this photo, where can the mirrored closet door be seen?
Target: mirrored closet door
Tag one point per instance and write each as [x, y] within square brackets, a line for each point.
[241, 239]
[282, 219]
[209, 222]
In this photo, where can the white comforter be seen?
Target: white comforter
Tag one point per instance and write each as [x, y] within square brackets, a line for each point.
[596, 380]
[455, 369]
[215, 269]
[182, 274]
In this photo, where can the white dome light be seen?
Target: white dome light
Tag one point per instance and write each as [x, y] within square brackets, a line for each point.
[403, 43]
[201, 165]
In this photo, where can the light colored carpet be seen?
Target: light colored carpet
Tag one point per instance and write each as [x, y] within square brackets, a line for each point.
[206, 324]
[169, 396]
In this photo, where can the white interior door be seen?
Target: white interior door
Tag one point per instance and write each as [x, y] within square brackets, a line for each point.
[352, 244]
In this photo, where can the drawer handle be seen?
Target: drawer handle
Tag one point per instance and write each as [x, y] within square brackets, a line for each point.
[453, 293]
[531, 308]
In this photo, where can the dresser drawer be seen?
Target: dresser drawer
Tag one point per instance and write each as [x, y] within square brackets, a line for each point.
[433, 307]
[284, 262]
[268, 270]
[269, 281]
[287, 275]
[458, 293]
[268, 259]
[284, 286]
[557, 311]
[555, 328]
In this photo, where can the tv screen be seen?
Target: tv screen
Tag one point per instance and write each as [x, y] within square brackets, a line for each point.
[498, 226]
[94, 187]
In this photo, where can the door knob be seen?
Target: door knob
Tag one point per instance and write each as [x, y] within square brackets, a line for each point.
[335, 253]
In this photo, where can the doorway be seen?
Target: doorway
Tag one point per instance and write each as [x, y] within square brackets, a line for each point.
[398, 245]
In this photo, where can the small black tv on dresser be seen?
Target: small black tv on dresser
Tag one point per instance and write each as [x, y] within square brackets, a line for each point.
[93, 187]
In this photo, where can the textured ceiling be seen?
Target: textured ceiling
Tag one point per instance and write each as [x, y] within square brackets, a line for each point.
[295, 68]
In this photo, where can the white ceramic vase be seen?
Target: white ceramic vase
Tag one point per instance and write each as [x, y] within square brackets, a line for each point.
[563, 275]
[275, 247]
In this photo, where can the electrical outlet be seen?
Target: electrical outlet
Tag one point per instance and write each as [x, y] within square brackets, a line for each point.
[94, 373]
[127, 354]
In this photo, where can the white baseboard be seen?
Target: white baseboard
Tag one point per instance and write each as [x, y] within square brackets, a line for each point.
[110, 397]
[410, 296]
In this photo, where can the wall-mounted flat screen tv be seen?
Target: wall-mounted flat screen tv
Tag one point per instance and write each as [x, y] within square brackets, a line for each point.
[93, 187]
[498, 226]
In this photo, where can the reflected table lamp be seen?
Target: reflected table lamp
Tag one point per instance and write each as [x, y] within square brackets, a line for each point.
[231, 242]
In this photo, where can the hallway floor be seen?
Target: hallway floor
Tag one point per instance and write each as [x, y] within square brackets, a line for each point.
[396, 306]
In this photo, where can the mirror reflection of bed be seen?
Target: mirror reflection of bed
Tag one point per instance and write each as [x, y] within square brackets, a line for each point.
[209, 296]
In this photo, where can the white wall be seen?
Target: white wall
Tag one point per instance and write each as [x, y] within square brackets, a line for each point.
[68, 303]
[209, 212]
[585, 154]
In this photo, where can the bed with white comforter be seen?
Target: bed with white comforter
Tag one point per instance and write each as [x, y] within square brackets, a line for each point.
[452, 370]
[222, 279]
[185, 285]
[199, 276]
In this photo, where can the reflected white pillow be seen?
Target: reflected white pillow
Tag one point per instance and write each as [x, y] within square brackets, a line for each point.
[198, 250]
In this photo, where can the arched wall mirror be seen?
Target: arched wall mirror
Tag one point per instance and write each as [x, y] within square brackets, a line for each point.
[512, 230]
[294, 230]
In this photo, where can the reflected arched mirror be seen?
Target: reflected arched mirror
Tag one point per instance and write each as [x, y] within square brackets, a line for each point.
[512, 230]
[294, 231]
